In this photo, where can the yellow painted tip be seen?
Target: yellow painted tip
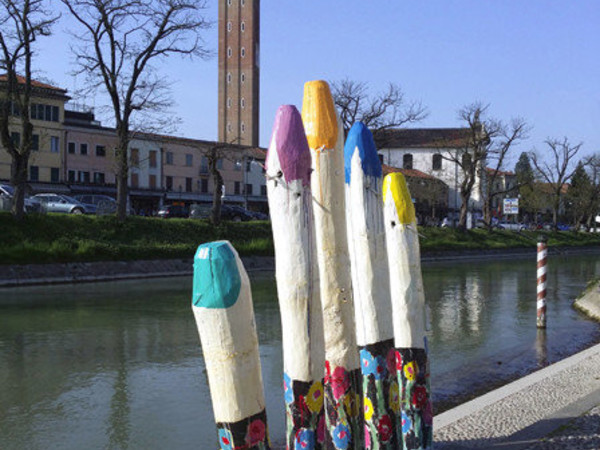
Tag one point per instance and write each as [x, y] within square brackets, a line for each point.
[395, 184]
[318, 115]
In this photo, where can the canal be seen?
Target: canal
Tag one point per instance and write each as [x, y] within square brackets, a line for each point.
[119, 364]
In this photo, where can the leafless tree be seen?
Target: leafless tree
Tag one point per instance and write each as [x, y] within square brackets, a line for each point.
[381, 112]
[487, 141]
[21, 23]
[558, 171]
[118, 47]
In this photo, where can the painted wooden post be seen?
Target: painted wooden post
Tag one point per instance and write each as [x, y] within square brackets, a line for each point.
[371, 289]
[288, 166]
[222, 305]
[342, 375]
[408, 303]
[542, 259]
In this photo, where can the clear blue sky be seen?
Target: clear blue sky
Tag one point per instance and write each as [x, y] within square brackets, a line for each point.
[536, 59]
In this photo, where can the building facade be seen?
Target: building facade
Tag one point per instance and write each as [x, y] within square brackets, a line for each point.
[239, 50]
[433, 151]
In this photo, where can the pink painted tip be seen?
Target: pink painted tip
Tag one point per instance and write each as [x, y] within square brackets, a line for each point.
[289, 141]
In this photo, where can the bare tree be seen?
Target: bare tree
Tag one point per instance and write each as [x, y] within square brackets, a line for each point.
[21, 23]
[558, 171]
[118, 46]
[487, 140]
[382, 112]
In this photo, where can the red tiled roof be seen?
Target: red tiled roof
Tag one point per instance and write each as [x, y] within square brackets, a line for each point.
[410, 173]
[34, 83]
[426, 137]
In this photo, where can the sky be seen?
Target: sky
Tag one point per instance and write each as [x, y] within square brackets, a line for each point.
[535, 59]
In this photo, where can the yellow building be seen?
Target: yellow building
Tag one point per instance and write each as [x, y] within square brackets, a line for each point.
[47, 115]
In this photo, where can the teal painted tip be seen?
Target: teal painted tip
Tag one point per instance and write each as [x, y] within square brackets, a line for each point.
[217, 280]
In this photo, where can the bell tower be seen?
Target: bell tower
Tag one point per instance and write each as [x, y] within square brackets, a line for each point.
[239, 32]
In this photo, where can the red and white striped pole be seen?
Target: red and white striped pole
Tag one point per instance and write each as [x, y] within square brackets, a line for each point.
[542, 259]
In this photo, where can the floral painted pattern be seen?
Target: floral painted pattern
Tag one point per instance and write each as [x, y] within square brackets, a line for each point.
[415, 401]
[342, 408]
[381, 397]
[249, 433]
[305, 417]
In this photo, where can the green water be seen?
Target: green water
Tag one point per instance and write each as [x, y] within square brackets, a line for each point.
[119, 365]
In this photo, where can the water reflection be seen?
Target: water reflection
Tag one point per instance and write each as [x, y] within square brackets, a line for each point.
[119, 365]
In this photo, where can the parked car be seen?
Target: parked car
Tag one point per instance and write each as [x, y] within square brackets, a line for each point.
[200, 211]
[61, 203]
[7, 192]
[512, 226]
[235, 213]
[171, 211]
[99, 204]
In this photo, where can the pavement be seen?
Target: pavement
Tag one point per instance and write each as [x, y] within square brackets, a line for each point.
[557, 407]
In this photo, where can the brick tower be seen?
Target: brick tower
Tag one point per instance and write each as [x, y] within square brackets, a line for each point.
[238, 71]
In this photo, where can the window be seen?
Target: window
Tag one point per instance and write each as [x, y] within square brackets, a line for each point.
[229, 103]
[14, 109]
[54, 144]
[169, 183]
[228, 2]
[188, 184]
[35, 142]
[99, 177]
[407, 161]
[152, 181]
[188, 159]
[436, 162]
[152, 158]
[228, 27]
[169, 157]
[135, 157]
[248, 189]
[54, 174]
[228, 77]
[243, 52]
[83, 176]
[243, 26]
[71, 176]
[34, 173]
[243, 127]
[204, 185]
[44, 112]
[243, 2]
[229, 127]
[220, 163]
[100, 150]
[243, 77]
[466, 161]
[134, 180]
[15, 138]
[263, 190]
[236, 188]
[380, 158]
[229, 52]
[248, 166]
[243, 102]
[71, 148]
[83, 149]
[204, 164]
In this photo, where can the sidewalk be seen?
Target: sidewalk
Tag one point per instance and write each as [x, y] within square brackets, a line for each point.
[557, 407]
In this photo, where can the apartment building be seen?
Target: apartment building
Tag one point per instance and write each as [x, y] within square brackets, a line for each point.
[47, 111]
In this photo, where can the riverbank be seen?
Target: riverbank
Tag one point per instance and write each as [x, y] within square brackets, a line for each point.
[68, 239]
[81, 272]
[589, 302]
[555, 407]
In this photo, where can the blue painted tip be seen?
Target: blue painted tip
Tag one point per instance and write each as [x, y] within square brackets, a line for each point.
[360, 139]
[217, 280]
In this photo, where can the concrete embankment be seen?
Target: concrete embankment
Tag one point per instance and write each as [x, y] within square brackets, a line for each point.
[79, 272]
[589, 302]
